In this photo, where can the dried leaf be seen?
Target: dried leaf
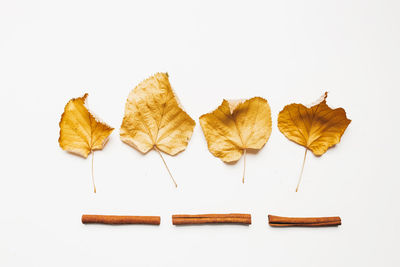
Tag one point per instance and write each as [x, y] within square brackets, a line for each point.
[316, 128]
[154, 119]
[236, 126]
[80, 132]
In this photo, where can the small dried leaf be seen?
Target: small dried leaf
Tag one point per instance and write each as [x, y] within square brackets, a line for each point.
[236, 126]
[317, 128]
[80, 132]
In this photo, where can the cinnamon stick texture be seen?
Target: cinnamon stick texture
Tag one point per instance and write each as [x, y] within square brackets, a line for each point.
[117, 219]
[308, 222]
[211, 218]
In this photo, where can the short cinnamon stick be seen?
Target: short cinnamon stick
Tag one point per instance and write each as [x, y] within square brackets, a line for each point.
[307, 222]
[211, 218]
[117, 219]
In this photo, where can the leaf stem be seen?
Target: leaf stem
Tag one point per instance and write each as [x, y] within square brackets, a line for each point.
[244, 164]
[94, 185]
[159, 153]
[302, 169]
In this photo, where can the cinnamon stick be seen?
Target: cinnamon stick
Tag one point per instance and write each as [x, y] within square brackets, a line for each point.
[117, 219]
[308, 222]
[211, 218]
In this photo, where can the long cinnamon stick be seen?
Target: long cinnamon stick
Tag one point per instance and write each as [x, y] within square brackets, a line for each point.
[117, 219]
[211, 218]
[308, 222]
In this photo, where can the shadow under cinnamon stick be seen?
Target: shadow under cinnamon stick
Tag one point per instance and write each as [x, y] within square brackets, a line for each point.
[231, 218]
[279, 221]
[120, 219]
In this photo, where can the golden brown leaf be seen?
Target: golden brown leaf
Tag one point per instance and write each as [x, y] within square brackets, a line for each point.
[236, 126]
[316, 128]
[154, 119]
[80, 132]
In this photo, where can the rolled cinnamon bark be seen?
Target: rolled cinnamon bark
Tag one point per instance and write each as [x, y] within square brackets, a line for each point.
[117, 219]
[308, 222]
[211, 218]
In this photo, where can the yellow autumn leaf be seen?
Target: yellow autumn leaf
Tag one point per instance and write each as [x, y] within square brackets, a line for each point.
[80, 132]
[154, 119]
[317, 128]
[236, 126]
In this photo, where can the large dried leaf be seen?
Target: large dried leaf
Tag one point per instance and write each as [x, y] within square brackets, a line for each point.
[154, 119]
[80, 132]
[317, 128]
[236, 126]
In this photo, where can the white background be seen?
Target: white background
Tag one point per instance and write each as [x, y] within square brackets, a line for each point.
[285, 51]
